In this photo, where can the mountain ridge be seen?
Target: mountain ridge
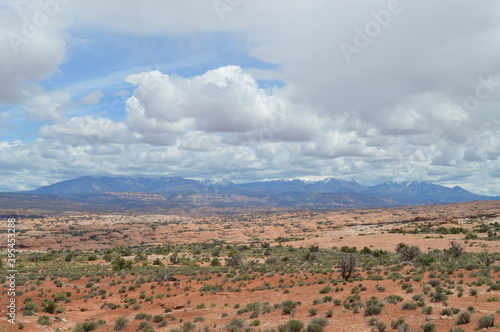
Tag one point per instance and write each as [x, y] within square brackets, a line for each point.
[405, 192]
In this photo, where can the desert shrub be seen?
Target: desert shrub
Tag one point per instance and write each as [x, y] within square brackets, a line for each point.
[463, 318]
[427, 310]
[446, 312]
[120, 263]
[394, 276]
[380, 326]
[393, 299]
[288, 306]
[142, 315]
[121, 323]
[44, 320]
[395, 324]
[320, 321]
[348, 250]
[405, 327]
[438, 297]
[29, 308]
[86, 326]
[329, 313]
[313, 311]
[372, 310]
[486, 321]
[409, 306]
[325, 290]
[426, 259]
[434, 282]
[145, 326]
[291, 326]
[235, 325]
[429, 327]
[418, 298]
[50, 307]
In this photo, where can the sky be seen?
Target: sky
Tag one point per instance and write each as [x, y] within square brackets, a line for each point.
[245, 90]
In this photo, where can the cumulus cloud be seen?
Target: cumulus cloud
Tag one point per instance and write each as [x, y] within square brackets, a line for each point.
[223, 100]
[32, 46]
[50, 107]
[86, 130]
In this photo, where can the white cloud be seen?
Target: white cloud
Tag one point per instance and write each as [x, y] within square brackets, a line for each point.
[224, 100]
[30, 50]
[92, 98]
[49, 107]
[85, 130]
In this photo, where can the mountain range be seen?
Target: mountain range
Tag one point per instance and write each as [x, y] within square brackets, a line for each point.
[280, 192]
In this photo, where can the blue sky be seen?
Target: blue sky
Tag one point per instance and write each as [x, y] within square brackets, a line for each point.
[247, 91]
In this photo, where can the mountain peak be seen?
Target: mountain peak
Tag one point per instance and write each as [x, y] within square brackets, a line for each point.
[405, 192]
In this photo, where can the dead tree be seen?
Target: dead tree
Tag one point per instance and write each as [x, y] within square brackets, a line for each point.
[163, 274]
[347, 265]
[456, 249]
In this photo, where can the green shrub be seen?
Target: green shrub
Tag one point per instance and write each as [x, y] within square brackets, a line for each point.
[486, 321]
[287, 307]
[372, 310]
[145, 326]
[380, 326]
[44, 320]
[142, 315]
[395, 324]
[446, 312]
[429, 327]
[86, 326]
[393, 299]
[325, 290]
[29, 309]
[50, 307]
[427, 310]
[235, 325]
[291, 326]
[121, 323]
[463, 318]
[409, 306]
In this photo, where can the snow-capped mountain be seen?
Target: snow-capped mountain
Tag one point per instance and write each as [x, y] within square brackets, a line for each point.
[403, 192]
